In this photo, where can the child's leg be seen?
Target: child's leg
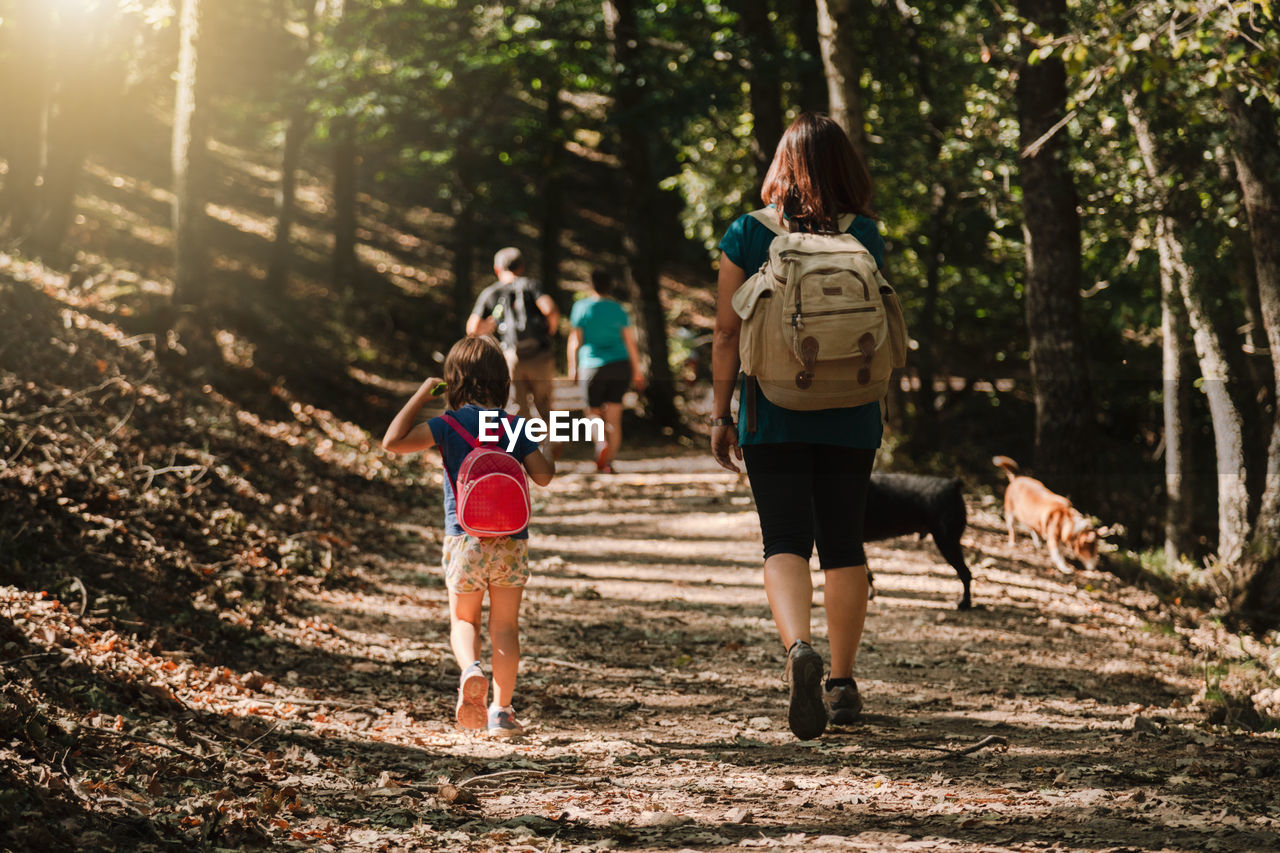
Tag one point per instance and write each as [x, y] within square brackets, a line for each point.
[613, 428]
[464, 626]
[504, 634]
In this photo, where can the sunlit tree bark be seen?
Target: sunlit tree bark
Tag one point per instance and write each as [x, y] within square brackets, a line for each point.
[1228, 424]
[1256, 149]
[27, 33]
[190, 160]
[836, 22]
[297, 129]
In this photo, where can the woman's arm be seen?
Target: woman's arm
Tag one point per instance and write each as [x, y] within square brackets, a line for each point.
[725, 362]
[403, 436]
[638, 379]
[540, 468]
[571, 353]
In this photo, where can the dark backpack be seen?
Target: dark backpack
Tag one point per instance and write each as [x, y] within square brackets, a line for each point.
[533, 334]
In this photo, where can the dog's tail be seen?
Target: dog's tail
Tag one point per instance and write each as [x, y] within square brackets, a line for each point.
[1007, 464]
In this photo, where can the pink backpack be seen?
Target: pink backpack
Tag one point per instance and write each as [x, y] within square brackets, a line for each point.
[491, 490]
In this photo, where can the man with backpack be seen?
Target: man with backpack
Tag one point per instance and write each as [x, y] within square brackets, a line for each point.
[523, 318]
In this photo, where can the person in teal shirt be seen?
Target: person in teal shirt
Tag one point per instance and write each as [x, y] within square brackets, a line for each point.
[604, 355]
[809, 471]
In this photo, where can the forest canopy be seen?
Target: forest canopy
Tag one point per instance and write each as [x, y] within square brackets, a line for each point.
[1077, 200]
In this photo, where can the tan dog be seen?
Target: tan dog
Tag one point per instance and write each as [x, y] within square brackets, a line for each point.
[1049, 516]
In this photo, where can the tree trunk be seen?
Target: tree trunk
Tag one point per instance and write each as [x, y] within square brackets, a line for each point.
[1256, 148]
[190, 163]
[924, 435]
[464, 226]
[1177, 402]
[765, 85]
[1228, 425]
[552, 195]
[1051, 224]
[27, 34]
[810, 92]
[925, 432]
[297, 129]
[346, 169]
[837, 23]
[640, 239]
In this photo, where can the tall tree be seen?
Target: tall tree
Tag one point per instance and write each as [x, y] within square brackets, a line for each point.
[1255, 145]
[1051, 225]
[1215, 368]
[297, 128]
[1176, 402]
[27, 32]
[345, 152]
[929, 245]
[190, 159]
[837, 22]
[640, 239]
[553, 192]
[765, 82]
[810, 92]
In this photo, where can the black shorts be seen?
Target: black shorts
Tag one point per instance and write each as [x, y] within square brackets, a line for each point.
[607, 383]
[807, 493]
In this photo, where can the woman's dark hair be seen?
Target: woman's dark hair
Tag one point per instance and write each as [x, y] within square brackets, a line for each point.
[601, 282]
[476, 372]
[817, 175]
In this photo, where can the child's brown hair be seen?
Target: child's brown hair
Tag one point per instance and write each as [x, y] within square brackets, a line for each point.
[476, 372]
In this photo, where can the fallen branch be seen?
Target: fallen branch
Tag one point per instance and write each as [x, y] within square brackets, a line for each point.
[250, 744]
[988, 741]
[501, 773]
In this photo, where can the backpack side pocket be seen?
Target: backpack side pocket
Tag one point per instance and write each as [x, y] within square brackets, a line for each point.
[897, 325]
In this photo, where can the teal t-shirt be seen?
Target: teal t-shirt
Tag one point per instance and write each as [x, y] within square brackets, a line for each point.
[746, 243]
[601, 321]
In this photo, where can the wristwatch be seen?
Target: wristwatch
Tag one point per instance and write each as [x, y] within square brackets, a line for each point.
[727, 420]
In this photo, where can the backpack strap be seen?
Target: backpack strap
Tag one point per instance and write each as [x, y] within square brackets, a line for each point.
[768, 217]
[459, 429]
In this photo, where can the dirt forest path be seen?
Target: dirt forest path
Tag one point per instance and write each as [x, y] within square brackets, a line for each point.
[652, 691]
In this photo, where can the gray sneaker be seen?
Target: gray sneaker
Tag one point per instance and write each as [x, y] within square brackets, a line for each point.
[503, 723]
[807, 715]
[844, 704]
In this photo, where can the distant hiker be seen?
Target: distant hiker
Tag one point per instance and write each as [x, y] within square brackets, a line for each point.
[604, 355]
[523, 318]
[809, 470]
[475, 381]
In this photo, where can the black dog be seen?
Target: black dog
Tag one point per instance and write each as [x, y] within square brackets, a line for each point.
[898, 504]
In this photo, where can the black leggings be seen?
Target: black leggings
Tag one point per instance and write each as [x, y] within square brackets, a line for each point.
[807, 493]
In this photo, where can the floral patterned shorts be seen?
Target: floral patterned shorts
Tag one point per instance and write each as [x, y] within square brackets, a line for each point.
[472, 564]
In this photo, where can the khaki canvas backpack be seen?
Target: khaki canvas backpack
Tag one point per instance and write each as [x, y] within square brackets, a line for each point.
[821, 328]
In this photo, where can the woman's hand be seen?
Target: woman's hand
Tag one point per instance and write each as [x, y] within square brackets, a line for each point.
[638, 380]
[724, 447]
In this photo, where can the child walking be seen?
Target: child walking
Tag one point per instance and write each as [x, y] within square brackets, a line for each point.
[476, 379]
